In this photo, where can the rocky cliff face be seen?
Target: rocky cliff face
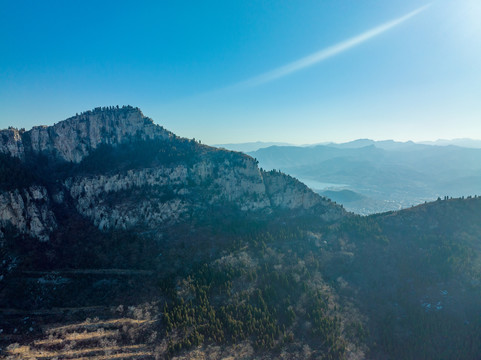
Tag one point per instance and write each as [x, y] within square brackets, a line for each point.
[28, 211]
[72, 139]
[11, 142]
[149, 196]
[159, 196]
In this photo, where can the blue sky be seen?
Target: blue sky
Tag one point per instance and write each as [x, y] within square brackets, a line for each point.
[194, 67]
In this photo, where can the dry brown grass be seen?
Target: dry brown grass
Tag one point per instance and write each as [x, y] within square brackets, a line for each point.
[75, 336]
[118, 338]
[91, 335]
[48, 342]
[26, 352]
[88, 324]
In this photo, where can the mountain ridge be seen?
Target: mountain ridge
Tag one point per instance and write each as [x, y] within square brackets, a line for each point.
[75, 155]
[73, 138]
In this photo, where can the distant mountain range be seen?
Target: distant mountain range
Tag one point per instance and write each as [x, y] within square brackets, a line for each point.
[383, 144]
[250, 146]
[391, 144]
[469, 143]
[387, 175]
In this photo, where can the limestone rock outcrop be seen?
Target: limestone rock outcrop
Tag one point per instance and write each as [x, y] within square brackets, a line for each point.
[28, 211]
[72, 139]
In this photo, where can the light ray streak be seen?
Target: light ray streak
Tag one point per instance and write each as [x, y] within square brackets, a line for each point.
[326, 53]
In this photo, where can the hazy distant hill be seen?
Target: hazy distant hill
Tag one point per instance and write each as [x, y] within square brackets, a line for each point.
[390, 175]
[383, 144]
[250, 146]
[469, 143]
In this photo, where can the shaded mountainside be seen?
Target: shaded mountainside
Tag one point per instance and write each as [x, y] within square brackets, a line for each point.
[416, 276]
[156, 247]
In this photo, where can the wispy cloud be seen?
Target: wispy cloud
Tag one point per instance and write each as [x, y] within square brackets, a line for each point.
[326, 53]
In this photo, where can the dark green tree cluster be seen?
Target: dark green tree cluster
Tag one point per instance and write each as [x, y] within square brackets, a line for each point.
[14, 174]
[138, 154]
[270, 313]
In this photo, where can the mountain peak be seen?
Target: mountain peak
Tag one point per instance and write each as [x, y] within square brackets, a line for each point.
[72, 139]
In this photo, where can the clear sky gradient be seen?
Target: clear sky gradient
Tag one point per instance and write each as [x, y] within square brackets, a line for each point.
[237, 71]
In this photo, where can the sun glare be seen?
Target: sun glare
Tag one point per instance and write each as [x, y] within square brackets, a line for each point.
[468, 16]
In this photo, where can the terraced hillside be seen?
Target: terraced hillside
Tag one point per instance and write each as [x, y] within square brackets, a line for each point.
[126, 334]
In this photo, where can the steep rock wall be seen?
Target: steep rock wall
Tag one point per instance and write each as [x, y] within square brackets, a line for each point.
[28, 211]
[11, 142]
[158, 196]
[72, 139]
